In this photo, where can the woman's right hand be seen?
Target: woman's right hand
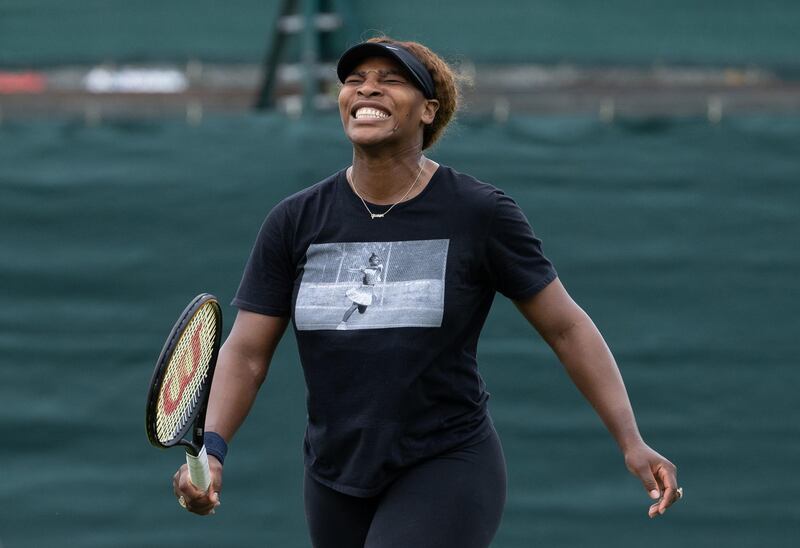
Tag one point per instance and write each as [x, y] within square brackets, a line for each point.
[197, 501]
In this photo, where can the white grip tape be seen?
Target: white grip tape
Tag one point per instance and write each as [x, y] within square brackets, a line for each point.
[198, 469]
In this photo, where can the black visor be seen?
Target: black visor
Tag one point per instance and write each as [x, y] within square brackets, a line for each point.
[419, 74]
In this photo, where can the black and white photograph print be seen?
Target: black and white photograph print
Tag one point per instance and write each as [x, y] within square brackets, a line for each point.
[372, 285]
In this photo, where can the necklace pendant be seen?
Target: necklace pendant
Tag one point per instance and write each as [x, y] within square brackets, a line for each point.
[377, 215]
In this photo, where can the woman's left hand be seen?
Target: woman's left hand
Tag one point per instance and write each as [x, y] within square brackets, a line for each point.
[659, 476]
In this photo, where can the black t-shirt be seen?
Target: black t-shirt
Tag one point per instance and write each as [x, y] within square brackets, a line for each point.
[387, 314]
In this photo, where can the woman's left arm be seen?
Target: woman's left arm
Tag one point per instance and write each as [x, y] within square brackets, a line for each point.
[579, 345]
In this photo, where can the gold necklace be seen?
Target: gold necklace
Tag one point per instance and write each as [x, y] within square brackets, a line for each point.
[380, 215]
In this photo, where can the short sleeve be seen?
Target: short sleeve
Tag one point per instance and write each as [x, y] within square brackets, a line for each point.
[268, 279]
[514, 260]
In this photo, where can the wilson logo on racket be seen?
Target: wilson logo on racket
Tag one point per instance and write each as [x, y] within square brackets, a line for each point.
[181, 382]
[168, 404]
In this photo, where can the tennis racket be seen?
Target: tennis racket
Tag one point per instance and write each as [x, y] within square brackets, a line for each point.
[178, 394]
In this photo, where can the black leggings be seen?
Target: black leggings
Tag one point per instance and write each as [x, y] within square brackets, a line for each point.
[454, 500]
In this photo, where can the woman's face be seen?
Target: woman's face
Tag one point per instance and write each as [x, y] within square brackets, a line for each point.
[379, 104]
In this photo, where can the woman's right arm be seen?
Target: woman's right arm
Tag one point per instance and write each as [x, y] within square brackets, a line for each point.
[241, 369]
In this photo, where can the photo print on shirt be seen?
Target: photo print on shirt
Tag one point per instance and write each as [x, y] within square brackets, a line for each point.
[372, 285]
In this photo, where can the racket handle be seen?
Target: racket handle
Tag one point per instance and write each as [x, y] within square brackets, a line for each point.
[198, 469]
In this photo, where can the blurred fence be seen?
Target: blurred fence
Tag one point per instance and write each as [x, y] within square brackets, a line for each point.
[49, 32]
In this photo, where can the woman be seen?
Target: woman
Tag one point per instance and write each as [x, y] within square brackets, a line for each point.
[361, 296]
[400, 449]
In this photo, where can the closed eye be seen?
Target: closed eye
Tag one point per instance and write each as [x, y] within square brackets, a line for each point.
[384, 77]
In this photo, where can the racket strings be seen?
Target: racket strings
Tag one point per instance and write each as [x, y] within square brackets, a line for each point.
[184, 375]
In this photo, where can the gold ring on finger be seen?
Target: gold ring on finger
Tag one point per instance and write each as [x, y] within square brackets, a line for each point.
[182, 501]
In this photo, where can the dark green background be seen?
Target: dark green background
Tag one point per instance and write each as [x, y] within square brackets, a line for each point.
[43, 32]
[678, 237]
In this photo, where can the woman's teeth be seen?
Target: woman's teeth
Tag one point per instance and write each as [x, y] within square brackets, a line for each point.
[366, 112]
